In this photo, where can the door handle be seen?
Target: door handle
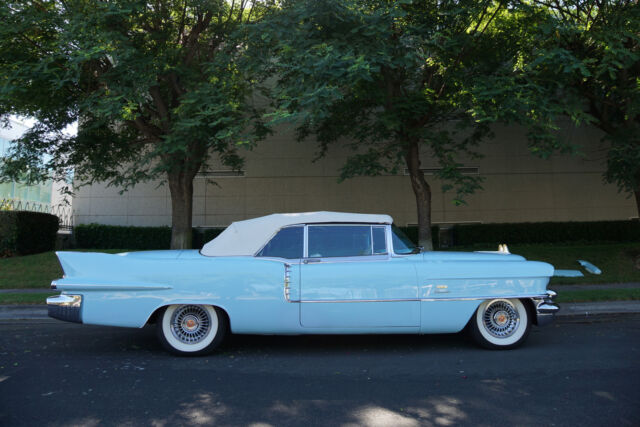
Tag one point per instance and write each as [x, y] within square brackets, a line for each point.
[311, 260]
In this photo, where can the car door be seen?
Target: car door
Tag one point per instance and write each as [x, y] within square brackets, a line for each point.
[349, 280]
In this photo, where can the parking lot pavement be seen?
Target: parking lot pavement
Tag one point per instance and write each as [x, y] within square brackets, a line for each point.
[569, 373]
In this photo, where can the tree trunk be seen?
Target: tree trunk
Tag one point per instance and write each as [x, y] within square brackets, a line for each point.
[636, 192]
[181, 187]
[422, 191]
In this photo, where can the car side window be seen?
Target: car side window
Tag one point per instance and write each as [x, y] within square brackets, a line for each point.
[287, 243]
[345, 240]
[379, 240]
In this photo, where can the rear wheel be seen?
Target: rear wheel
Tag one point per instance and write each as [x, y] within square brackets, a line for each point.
[500, 324]
[191, 330]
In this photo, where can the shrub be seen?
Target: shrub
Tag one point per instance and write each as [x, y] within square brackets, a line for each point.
[24, 232]
[412, 233]
[8, 233]
[204, 235]
[547, 232]
[99, 236]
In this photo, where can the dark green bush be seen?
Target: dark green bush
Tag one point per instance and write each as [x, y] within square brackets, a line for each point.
[24, 232]
[98, 236]
[412, 233]
[8, 233]
[204, 235]
[547, 232]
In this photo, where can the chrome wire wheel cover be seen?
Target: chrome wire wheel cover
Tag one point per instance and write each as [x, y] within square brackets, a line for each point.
[190, 324]
[500, 318]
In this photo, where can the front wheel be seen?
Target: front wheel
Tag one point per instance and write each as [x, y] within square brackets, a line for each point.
[500, 324]
[191, 330]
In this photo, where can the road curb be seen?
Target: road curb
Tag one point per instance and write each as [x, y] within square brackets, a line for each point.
[586, 309]
[23, 312]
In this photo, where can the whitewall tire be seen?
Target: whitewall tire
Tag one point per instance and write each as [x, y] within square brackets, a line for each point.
[191, 330]
[500, 324]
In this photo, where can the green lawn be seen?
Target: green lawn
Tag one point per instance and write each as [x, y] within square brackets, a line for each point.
[598, 295]
[33, 271]
[618, 261]
[24, 298]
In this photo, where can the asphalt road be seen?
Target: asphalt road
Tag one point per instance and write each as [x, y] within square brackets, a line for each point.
[569, 373]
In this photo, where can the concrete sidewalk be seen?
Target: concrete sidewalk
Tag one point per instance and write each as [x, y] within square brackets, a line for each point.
[574, 309]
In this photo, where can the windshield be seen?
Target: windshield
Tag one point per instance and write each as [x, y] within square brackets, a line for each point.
[402, 245]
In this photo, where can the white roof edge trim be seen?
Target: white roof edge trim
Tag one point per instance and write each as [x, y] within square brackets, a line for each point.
[245, 238]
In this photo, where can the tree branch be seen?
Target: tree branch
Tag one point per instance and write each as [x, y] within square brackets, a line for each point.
[150, 131]
[191, 42]
[165, 118]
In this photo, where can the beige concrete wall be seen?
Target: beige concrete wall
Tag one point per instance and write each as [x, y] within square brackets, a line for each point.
[281, 177]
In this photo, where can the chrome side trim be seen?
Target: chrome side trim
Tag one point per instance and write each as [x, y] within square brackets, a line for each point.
[82, 286]
[287, 282]
[345, 259]
[485, 297]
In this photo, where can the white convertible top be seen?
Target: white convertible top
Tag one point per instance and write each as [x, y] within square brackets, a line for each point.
[244, 238]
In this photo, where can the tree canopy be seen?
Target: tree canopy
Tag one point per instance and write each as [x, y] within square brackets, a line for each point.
[397, 79]
[159, 87]
[155, 86]
[588, 52]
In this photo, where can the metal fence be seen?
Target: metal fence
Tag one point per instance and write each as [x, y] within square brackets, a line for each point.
[64, 213]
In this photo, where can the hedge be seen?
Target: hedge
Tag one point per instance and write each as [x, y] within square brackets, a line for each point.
[99, 236]
[204, 235]
[547, 232]
[412, 233]
[25, 232]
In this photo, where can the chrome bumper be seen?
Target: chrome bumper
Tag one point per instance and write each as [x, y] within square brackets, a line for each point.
[546, 309]
[65, 307]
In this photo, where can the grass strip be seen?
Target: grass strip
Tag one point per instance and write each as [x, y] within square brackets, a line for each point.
[25, 298]
[34, 271]
[599, 295]
[619, 262]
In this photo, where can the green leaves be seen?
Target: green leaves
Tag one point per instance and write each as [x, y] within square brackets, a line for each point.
[152, 84]
[589, 70]
[379, 74]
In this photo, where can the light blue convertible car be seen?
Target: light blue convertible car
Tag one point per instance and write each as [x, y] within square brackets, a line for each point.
[306, 273]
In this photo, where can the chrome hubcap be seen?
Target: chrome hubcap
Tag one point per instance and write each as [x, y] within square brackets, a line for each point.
[190, 324]
[500, 319]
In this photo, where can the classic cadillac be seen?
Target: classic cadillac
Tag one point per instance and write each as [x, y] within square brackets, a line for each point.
[306, 273]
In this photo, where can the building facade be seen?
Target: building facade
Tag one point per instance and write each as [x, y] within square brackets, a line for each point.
[43, 197]
[280, 176]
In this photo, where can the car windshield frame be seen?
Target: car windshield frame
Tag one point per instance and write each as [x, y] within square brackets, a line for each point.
[396, 232]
